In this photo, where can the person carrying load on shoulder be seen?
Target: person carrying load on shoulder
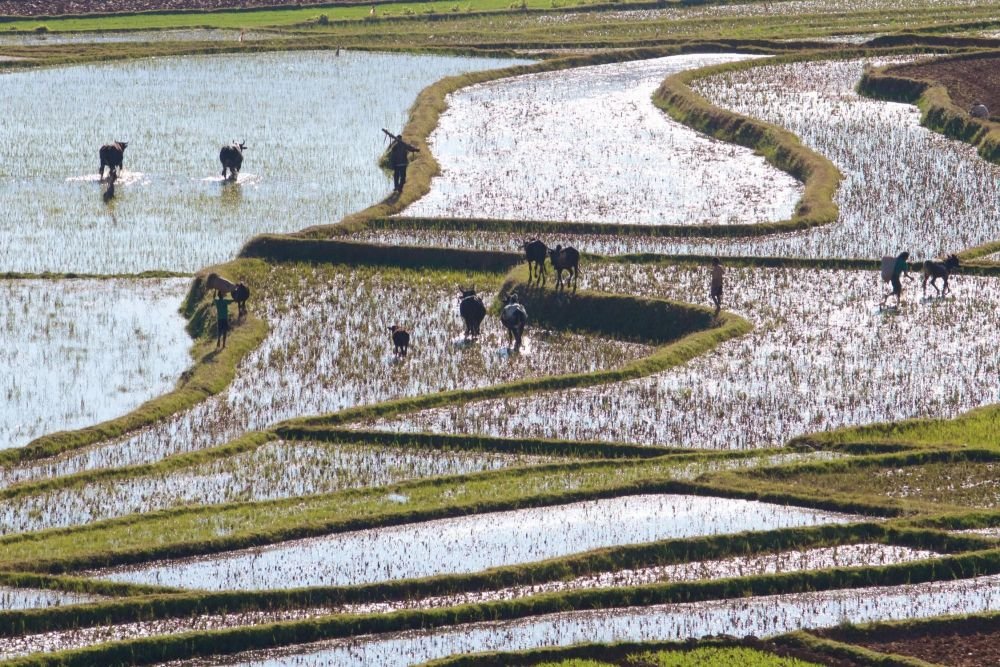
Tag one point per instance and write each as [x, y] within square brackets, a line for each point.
[893, 268]
[399, 159]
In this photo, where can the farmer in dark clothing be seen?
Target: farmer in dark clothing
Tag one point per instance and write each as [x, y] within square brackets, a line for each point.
[399, 158]
[715, 289]
[900, 268]
[222, 317]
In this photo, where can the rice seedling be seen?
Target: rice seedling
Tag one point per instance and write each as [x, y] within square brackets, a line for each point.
[30, 598]
[469, 544]
[587, 144]
[762, 616]
[271, 471]
[850, 555]
[329, 349]
[821, 355]
[76, 352]
[311, 121]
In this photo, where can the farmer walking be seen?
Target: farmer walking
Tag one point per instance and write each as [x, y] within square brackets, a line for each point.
[715, 291]
[399, 159]
[899, 267]
[222, 317]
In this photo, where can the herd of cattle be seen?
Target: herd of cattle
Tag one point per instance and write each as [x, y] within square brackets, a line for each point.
[112, 155]
[513, 315]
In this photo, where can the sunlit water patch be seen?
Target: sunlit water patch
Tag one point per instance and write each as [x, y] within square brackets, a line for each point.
[587, 144]
[76, 352]
[821, 355]
[274, 470]
[758, 616]
[13, 38]
[311, 121]
[32, 598]
[329, 349]
[472, 543]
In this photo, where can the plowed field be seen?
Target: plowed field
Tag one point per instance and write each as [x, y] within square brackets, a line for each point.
[967, 81]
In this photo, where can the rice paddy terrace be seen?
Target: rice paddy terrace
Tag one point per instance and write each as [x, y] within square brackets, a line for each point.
[802, 477]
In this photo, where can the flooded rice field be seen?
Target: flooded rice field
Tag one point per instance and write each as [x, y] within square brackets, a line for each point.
[78, 352]
[821, 355]
[587, 144]
[15, 38]
[471, 543]
[329, 349]
[759, 616]
[33, 598]
[850, 555]
[273, 470]
[311, 122]
[904, 187]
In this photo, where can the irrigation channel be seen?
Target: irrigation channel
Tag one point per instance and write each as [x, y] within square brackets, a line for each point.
[326, 348]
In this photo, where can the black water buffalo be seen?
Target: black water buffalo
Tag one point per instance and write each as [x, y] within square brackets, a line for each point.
[472, 310]
[231, 157]
[111, 156]
[565, 259]
[400, 340]
[534, 252]
[240, 295]
[514, 317]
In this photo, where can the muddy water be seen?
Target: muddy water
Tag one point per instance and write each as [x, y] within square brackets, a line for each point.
[472, 543]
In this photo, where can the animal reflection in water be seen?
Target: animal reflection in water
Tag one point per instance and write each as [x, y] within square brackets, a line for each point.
[936, 268]
[109, 192]
[514, 317]
[472, 310]
[231, 157]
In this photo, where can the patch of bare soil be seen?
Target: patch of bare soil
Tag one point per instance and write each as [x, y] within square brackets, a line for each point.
[968, 81]
[25, 8]
[969, 647]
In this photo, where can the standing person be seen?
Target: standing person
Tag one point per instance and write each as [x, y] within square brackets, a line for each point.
[222, 317]
[900, 267]
[716, 289]
[399, 159]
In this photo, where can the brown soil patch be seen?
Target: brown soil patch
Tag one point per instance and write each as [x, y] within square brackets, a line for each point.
[967, 81]
[966, 648]
[27, 8]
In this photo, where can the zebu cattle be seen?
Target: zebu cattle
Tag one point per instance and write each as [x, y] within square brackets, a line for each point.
[514, 317]
[400, 340]
[231, 157]
[934, 269]
[472, 309]
[535, 252]
[111, 156]
[239, 292]
[565, 259]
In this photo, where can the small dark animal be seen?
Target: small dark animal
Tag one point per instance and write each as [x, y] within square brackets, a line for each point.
[231, 157]
[400, 340]
[111, 156]
[565, 259]
[934, 269]
[240, 295]
[472, 310]
[535, 251]
[514, 317]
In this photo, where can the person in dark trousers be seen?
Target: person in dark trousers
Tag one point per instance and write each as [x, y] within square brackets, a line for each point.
[899, 269]
[399, 159]
[715, 291]
[222, 317]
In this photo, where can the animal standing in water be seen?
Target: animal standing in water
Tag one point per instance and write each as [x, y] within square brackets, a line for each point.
[934, 269]
[514, 317]
[472, 309]
[112, 156]
[231, 157]
[400, 340]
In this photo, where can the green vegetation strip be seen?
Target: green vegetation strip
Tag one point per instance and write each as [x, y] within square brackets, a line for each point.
[76, 585]
[558, 569]
[939, 113]
[212, 372]
[194, 644]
